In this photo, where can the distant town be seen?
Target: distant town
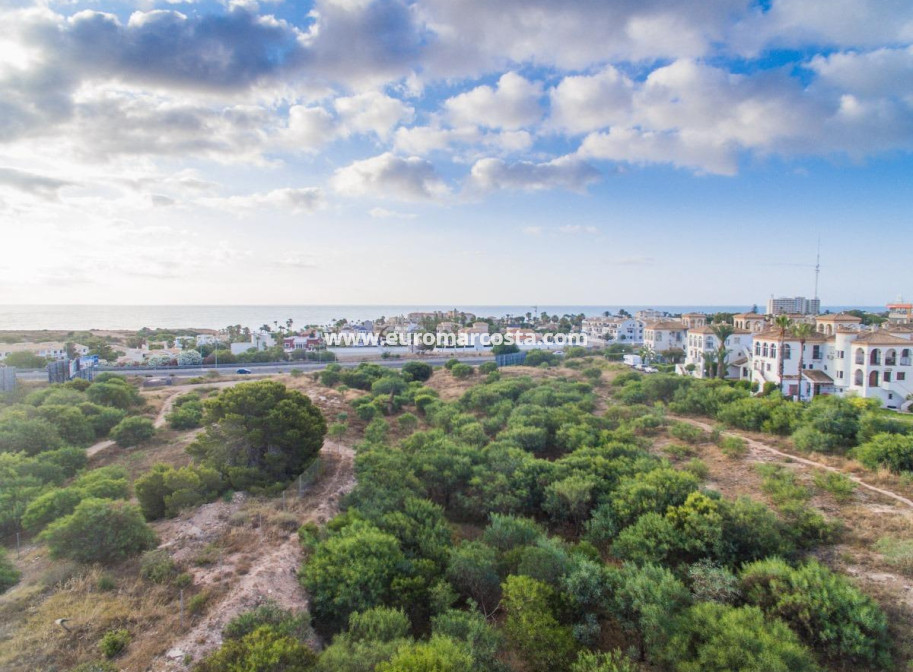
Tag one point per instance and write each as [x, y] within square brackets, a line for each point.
[790, 346]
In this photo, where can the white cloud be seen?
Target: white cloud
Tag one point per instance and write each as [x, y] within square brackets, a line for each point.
[390, 176]
[583, 103]
[512, 104]
[371, 112]
[563, 173]
[303, 200]
[574, 229]
[383, 213]
[309, 128]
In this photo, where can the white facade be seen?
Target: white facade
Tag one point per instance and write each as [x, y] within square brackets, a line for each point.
[616, 329]
[665, 335]
[48, 349]
[876, 364]
[703, 346]
[793, 304]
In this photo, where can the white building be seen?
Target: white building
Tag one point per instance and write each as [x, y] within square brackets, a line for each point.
[616, 329]
[703, 349]
[793, 304]
[259, 340]
[48, 349]
[664, 335]
[753, 322]
[829, 324]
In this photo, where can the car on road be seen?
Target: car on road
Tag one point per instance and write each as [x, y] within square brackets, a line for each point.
[243, 371]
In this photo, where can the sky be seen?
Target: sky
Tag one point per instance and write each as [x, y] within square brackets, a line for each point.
[455, 151]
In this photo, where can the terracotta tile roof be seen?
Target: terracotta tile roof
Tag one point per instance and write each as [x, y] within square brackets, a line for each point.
[882, 338]
[838, 317]
[666, 325]
[816, 376]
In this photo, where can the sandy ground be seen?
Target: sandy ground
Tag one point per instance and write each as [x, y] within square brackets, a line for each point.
[246, 577]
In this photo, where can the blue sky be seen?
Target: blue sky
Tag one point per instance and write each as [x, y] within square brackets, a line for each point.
[432, 151]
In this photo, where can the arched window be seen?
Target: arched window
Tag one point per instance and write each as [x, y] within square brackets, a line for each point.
[858, 378]
[875, 356]
[905, 357]
[828, 330]
[787, 351]
[873, 379]
[766, 349]
[890, 357]
[773, 350]
[860, 356]
[757, 349]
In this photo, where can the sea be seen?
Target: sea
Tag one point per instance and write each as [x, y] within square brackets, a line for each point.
[118, 317]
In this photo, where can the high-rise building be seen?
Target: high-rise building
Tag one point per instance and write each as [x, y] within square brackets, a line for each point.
[796, 305]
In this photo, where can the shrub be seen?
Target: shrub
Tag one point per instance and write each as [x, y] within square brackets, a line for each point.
[263, 650]
[462, 370]
[419, 371]
[196, 605]
[488, 367]
[733, 446]
[897, 553]
[892, 451]
[825, 609]
[114, 642]
[157, 566]
[99, 530]
[614, 661]
[531, 628]
[282, 621]
[9, 575]
[839, 485]
[132, 431]
[686, 432]
[50, 506]
[337, 430]
[407, 422]
[712, 637]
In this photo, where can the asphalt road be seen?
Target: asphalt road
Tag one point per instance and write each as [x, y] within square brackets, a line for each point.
[259, 369]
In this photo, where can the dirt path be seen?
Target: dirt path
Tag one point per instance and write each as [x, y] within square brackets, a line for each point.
[249, 576]
[763, 447]
[159, 421]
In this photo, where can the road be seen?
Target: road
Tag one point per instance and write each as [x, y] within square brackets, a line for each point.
[257, 368]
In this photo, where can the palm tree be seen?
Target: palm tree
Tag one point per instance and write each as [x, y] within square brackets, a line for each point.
[722, 331]
[802, 331]
[782, 323]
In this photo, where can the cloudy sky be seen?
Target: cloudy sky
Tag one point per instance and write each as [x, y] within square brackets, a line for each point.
[455, 151]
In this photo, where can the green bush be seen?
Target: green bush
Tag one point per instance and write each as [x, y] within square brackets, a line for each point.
[891, 451]
[282, 621]
[839, 485]
[9, 575]
[462, 370]
[825, 609]
[50, 506]
[488, 367]
[114, 642]
[733, 446]
[711, 637]
[157, 566]
[263, 650]
[419, 371]
[687, 432]
[99, 530]
[132, 431]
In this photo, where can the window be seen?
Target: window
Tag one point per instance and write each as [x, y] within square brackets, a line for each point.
[887, 376]
[773, 350]
[873, 379]
[905, 357]
[860, 356]
[766, 349]
[875, 356]
[890, 358]
[816, 352]
[901, 375]
[858, 378]
[840, 374]
[757, 349]
[787, 351]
